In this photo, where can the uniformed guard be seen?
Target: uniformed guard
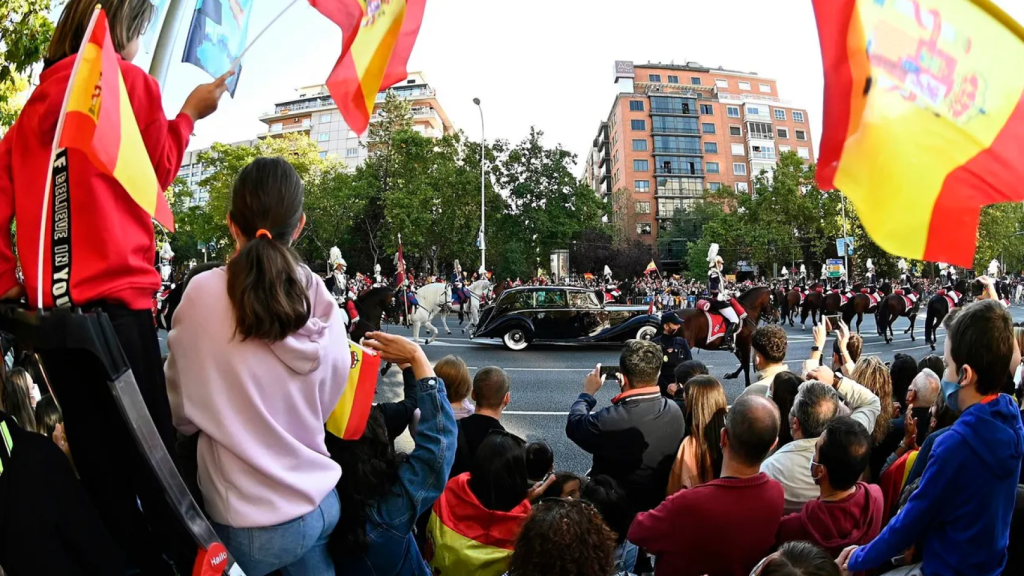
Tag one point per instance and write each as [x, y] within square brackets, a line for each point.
[871, 278]
[377, 279]
[674, 348]
[722, 302]
[824, 277]
[784, 279]
[906, 280]
[607, 274]
[802, 277]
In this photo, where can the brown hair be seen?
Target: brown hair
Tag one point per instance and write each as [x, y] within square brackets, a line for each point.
[854, 346]
[127, 20]
[563, 536]
[872, 374]
[16, 400]
[490, 386]
[267, 291]
[453, 372]
[706, 406]
[770, 341]
[982, 337]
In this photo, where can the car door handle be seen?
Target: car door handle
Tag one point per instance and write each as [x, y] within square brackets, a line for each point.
[541, 315]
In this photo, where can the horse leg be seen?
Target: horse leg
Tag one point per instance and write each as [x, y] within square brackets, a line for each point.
[432, 331]
[860, 318]
[415, 330]
[913, 320]
[444, 321]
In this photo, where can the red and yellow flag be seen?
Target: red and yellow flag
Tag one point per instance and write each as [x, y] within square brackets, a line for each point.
[348, 420]
[98, 119]
[923, 123]
[377, 38]
[650, 268]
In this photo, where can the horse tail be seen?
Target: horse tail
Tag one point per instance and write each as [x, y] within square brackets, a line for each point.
[883, 316]
[929, 317]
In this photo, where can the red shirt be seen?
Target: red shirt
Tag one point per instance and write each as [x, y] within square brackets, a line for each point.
[103, 246]
[724, 527]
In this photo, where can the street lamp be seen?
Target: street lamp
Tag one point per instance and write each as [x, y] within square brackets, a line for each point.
[483, 142]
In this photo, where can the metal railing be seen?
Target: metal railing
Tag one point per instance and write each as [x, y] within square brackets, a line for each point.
[670, 110]
[760, 136]
[763, 155]
[663, 149]
[675, 130]
[752, 97]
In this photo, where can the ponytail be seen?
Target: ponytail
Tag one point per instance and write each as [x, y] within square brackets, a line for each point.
[268, 290]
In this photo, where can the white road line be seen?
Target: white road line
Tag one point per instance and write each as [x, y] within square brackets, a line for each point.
[530, 413]
[539, 369]
[913, 348]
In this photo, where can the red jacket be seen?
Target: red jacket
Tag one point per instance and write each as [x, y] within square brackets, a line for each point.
[723, 528]
[834, 525]
[103, 246]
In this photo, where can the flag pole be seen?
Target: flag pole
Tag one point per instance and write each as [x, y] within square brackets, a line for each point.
[53, 154]
[258, 36]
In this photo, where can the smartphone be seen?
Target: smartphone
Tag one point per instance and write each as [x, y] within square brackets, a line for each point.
[610, 372]
[810, 365]
[831, 323]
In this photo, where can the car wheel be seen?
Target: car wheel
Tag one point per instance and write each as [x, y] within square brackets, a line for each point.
[515, 339]
[646, 333]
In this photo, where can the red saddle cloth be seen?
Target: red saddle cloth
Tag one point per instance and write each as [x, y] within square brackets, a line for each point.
[716, 325]
[801, 293]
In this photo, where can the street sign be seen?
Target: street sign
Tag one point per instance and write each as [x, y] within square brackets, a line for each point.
[834, 267]
[844, 246]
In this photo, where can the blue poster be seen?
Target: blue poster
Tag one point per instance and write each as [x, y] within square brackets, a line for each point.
[217, 36]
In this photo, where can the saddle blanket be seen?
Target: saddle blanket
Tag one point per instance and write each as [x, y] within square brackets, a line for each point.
[802, 295]
[952, 297]
[716, 326]
[843, 298]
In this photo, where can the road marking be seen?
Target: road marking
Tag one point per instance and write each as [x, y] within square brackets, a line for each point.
[914, 348]
[539, 369]
[531, 413]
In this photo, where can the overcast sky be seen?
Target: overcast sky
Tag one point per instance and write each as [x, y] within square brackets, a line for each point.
[531, 62]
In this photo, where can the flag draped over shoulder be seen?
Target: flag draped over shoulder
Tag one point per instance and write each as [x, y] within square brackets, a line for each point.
[377, 38]
[98, 119]
[923, 122]
[348, 420]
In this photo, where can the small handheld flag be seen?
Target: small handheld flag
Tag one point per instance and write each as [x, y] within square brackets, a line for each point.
[650, 268]
[348, 420]
[923, 126]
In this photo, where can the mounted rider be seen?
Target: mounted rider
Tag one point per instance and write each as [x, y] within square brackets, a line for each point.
[801, 279]
[871, 278]
[338, 284]
[784, 279]
[1001, 290]
[824, 277]
[947, 275]
[722, 302]
[460, 293]
[906, 279]
[377, 279]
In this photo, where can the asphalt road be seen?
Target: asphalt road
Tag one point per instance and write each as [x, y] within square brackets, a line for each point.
[547, 379]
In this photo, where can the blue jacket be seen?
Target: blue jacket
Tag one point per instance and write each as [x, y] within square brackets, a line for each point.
[421, 479]
[960, 513]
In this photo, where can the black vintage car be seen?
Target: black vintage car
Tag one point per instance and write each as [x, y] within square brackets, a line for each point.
[545, 314]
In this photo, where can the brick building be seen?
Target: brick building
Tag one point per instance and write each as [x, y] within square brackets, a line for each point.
[675, 130]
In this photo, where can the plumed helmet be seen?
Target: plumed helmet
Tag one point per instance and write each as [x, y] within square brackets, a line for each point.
[803, 269]
[943, 266]
[871, 265]
[713, 254]
[458, 267]
[902, 265]
[165, 252]
[336, 258]
[993, 267]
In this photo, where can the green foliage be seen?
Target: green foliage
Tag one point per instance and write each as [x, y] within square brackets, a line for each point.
[997, 237]
[25, 31]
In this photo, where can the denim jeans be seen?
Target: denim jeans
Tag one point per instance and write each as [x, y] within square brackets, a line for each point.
[296, 548]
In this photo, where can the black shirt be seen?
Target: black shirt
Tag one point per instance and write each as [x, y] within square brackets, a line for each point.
[472, 431]
[676, 350]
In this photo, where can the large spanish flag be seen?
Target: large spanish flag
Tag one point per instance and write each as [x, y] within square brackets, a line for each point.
[377, 38]
[348, 420]
[98, 119]
[924, 118]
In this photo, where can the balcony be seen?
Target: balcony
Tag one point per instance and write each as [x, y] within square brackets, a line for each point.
[289, 129]
[764, 155]
[760, 136]
[406, 93]
[674, 131]
[687, 111]
[294, 107]
[750, 97]
[689, 151]
[669, 171]
[606, 158]
[761, 116]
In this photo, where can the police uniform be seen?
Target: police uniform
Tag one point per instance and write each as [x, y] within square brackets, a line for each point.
[675, 350]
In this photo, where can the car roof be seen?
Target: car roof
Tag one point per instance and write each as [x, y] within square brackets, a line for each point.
[569, 288]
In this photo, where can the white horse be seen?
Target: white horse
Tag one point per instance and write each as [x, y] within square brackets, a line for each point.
[433, 300]
[477, 293]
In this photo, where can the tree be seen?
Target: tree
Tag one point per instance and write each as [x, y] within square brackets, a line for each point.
[998, 238]
[25, 31]
[622, 214]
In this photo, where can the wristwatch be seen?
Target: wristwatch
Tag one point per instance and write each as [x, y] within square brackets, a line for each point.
[815, 349]
[837, 379]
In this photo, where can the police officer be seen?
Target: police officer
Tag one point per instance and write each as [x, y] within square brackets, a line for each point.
[674, 348]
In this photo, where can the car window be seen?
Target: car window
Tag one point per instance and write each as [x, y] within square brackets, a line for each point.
[550, 299]
[584, 300]
[517, 300]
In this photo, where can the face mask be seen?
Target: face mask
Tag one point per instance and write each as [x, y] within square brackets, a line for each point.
[811, 467]
[950, 390]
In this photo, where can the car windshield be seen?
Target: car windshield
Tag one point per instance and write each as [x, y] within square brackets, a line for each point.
[550, 299]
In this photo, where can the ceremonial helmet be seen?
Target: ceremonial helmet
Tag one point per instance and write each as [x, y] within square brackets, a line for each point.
[803, 270]
[458, 267]
[785, 271]
[902, 265]
[943, 266]
[870, 265]
[993, 268]
[336, 259]
[713, 258]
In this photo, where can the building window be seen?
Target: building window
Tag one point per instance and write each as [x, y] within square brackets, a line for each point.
[721, 82]
[762, 130]
[670, 105]
[641, 185]
[784, 149]
[732, 111]
[323, 137]
[707, 110]
[711, 147]
[694, 81]
[323, 154]
[782, 132]
[744, 85]
[800, 134]
[640, 145]
[654, 78]
[636, 105]
[737, 150]
[677, 165]
[673, 79]
[640, 166]
[325, 118]
[638, 125]
[674, 125]
[643, 207]
[351, 152]
[714, 185]
[798, 116]
[742, 187]
[735, 131]
[276, 127]
[306, 122]
[708, 128]
[766, 88]
[677, 144]
[803, 152]
[780, 114]
[680, 186]
[711, 167]
[739, 168]
[643, 228]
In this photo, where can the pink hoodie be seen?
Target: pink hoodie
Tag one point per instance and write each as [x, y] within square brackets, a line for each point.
[260, 407]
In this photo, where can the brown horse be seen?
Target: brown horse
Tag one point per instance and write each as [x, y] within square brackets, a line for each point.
[758, 304]
[892, 307]
[938, 309]
[791, 306]
[812, 305]
[861, 303]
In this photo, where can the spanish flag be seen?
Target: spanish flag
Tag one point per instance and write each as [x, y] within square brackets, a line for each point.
[924, 122]
[650, 268]
[377, 39]
[348, 420]
[97, 118]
